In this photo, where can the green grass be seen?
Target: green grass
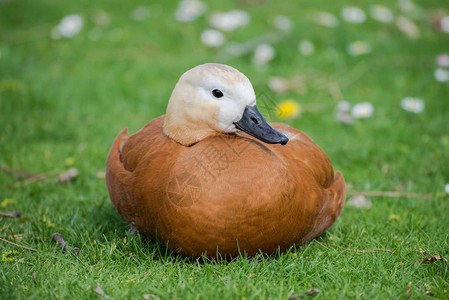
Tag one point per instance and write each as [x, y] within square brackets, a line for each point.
[69, 98]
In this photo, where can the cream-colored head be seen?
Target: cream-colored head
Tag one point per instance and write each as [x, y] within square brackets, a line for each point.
[213, 99]
[196, 108]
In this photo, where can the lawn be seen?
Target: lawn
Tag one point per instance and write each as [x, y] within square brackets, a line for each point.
[64, 99]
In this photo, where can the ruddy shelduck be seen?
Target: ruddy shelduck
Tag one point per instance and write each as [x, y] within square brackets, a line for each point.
[213, 178]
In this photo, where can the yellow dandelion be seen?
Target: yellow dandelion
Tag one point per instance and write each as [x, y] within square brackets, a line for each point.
[10, 85]
[9, 255]
[128, 281]
[69, 161]
[393, 217]
[288, 109]
[8, 202]
[47, 154]
[48, 222]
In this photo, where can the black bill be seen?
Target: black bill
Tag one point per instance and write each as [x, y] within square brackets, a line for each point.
[254, 124]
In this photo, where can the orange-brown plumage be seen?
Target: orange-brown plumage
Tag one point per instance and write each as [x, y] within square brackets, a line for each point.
[226, 193]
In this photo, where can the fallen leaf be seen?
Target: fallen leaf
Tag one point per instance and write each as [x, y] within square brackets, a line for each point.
[311, 292]
[59, 239]
[430, 259]
[423, 251]
[100, 291]
[34, 278]
[409, 286]
[18, 237]
[12, 214]
[68, 176]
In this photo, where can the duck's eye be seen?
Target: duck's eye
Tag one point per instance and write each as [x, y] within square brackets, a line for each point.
[217, 93]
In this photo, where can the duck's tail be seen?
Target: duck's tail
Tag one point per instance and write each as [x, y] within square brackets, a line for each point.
[333, 202]
[337, 192]
[118, 178]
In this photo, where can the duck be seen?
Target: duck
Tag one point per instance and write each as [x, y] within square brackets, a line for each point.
[212, 178]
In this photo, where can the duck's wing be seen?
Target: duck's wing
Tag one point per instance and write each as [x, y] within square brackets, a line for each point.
[135, 165]
[326, 189]
[118, 179]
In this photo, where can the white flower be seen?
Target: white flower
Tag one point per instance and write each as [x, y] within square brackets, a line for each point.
[212, 38]
[189, 10]
[263, 53]
[283, 23]
[326, 19]
[446, 188]
[278, 85]
[344, 106]
[441, 75]
[229, 21]
[236, 49]
[358, 48]
[102, 19]
[381, 13]
[69, 26]
[343, 117]
[140, 13]
[353, 14]
[444, 24]
[360, 201]
[414, 105]
[306, 48]
[407, 27]
[443, 60]
[362, 110]
[406, 5]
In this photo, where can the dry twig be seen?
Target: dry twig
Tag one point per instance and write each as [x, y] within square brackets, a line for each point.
[391, 194]
[17, 245]
[358, 251]
[12, 214]
[20, 173]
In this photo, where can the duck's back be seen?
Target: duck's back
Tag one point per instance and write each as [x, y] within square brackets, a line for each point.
[223, 191]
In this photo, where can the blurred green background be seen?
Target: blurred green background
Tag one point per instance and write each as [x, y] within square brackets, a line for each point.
[64, 99]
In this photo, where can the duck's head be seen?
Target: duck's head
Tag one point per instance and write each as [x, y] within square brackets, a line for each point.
[213, 99]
